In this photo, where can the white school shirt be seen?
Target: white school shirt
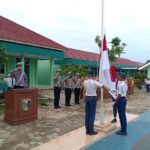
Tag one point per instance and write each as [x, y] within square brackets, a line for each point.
[91, 86]
[122, 88]
[9, 82]
[147, 81]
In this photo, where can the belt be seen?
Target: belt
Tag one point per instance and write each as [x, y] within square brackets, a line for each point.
[21, 85]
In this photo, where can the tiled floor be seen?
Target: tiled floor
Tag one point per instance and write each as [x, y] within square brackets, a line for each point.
[74, 140]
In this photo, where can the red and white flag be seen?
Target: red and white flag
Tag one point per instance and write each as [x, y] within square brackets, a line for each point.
[107, 74]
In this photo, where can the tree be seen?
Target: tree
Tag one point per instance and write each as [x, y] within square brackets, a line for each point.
[3, 55]
[74, 69]
[117, 48]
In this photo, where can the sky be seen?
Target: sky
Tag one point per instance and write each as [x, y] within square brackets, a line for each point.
[75, 23]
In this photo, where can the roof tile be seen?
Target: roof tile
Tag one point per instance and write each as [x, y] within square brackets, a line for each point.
[12, 31]
[84, 55]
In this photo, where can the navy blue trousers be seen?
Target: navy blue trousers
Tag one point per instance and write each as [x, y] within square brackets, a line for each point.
[90, 110]
[68, 92]
[114, 108]
[77, 95]
[121, 104]
[148, 88]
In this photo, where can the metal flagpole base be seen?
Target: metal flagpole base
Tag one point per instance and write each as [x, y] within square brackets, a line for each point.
[105, 127]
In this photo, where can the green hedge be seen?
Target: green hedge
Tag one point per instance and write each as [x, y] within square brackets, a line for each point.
[138, 83]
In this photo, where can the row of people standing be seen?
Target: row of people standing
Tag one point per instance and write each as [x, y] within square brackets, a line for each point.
[70, 84]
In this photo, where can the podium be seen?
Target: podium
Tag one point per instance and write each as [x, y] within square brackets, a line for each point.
[20, 106]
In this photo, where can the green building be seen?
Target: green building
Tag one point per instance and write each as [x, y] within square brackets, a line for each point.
[91, 60]
[42, 56]
[36, 51]
[146, 67]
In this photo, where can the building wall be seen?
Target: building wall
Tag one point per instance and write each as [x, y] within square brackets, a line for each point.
[33, 72]
[46, 71]
[11, 64]
[43, 67]
[148, 72]
[41, 72]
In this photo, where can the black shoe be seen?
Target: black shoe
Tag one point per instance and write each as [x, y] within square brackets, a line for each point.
[55, 107]
[59, 107]
[121, 133]
[114, 120]
[87, 132]
[93, 133]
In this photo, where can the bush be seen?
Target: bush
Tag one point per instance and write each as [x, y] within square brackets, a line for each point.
[138, 83]
[138, 76]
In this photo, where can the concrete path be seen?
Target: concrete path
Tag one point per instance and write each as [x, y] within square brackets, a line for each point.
[76, 139]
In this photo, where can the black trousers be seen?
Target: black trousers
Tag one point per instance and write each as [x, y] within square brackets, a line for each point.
[68, 92]
[57, 91]
[77, 95]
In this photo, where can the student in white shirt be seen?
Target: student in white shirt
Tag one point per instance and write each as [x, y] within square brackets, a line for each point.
[10, 81]
[90, 86]
[121, 103]
[147, 82]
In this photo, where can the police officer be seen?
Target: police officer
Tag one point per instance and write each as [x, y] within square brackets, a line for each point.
[77, 87]
[69, 83]
[121, 102]
[20, 76]
[57, 89]
[91, 86]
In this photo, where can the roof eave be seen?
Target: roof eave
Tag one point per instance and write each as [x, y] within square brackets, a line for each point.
[30, 44]
[144, 66]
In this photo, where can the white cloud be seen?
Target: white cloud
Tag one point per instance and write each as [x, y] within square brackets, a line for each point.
[74, 23]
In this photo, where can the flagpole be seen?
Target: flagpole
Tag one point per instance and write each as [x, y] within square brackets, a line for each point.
[102, 35]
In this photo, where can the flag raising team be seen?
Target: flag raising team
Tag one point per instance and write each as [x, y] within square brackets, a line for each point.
[73, 84]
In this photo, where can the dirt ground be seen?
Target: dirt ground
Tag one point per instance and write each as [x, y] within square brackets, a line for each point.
[52, 123]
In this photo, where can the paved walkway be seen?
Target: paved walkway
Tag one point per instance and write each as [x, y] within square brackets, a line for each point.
[54, 123]
[77, 139]
[138, 137]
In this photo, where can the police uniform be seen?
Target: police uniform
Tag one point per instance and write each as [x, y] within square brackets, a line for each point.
[121, 104]
[20, 77]
[77, 88]
[57, 89]
[90, 86]
[69, 83]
